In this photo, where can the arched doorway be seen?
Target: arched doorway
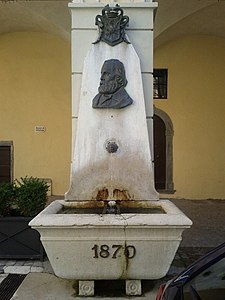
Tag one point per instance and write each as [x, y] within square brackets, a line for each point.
[159, 153]
[163, 151]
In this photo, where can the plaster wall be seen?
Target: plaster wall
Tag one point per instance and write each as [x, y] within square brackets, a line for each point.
[196, 107]
[35, 90]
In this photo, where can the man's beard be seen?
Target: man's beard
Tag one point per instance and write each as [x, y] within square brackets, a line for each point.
[109, 87]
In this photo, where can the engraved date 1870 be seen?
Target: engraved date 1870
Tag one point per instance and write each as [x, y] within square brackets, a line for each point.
[114, 251]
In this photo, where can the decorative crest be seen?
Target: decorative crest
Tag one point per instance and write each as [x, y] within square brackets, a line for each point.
[112, 25]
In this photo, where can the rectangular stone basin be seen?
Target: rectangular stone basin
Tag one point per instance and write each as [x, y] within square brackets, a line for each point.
[96, 246]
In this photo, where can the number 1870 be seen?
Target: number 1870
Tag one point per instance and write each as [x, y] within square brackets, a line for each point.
[104, 251]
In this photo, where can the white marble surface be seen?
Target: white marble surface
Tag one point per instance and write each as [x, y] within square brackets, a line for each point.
[130, 168]
[74, 242]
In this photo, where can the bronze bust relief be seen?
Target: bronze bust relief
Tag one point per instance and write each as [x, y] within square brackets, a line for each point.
[112, 93]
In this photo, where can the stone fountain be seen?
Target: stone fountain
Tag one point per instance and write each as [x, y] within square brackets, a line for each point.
[111, 224]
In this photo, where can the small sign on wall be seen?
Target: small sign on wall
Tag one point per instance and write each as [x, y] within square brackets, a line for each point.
[40, 128]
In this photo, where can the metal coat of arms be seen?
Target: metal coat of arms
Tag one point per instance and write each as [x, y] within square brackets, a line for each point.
[112, 25]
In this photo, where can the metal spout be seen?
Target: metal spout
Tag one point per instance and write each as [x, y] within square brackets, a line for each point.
[111, 207]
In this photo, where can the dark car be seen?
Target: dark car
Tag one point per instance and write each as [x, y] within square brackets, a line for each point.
[203, 280]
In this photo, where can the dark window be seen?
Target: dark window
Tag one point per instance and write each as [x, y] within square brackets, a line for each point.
[160, 83]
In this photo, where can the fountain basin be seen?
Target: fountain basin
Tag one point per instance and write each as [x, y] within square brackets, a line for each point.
[111, 246]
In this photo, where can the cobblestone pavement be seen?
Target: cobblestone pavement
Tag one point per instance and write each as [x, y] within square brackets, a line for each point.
[25, 266]
[208, 216]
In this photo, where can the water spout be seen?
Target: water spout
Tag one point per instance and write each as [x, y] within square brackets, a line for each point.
[111, 207]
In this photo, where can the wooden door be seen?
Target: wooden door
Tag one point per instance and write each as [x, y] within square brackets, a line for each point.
[159, 153]
[5, 164]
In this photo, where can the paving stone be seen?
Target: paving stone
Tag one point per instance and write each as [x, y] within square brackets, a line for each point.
[34, 269]
[47, 267]
[17, 269]
[28, 263]
[46, 286]
[10, 262]
[20, 263]
[37, 263]
[174, 270]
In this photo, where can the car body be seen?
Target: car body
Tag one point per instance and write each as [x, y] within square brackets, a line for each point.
[202, 280]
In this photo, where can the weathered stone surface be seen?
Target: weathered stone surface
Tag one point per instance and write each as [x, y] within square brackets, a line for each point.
[17, 269]
[130, 168]
[86, 287]
[83, 246]
[133, 287]
[45, 287]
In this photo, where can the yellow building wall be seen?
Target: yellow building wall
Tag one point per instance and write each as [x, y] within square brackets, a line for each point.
[196, 105]
[35, 90]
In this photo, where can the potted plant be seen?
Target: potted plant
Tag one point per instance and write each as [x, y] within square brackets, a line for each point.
[20, 201]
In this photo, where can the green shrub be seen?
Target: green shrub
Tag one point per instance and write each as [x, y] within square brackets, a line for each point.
[7, 197]
[31, 196]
